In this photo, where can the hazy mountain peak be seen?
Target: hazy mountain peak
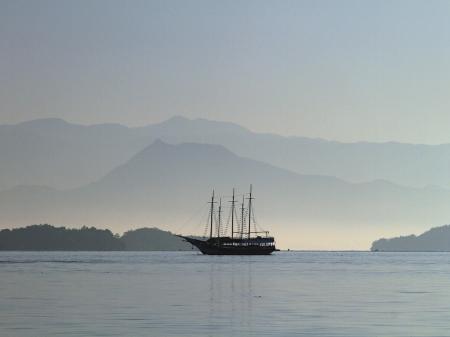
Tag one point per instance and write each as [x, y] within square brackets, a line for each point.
[178, 119]
[202, 126]
[221, 124]
[159, 143]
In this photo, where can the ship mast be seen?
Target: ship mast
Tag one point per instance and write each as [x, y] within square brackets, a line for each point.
[250, 211]
[212, 212]
[232, 216]
[242, 217]
[220, 218]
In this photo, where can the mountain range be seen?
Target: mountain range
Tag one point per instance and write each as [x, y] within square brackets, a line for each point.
[164, 184]
[314, 193]
[58, 154]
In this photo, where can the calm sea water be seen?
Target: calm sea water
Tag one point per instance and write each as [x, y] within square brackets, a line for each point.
[187, 294]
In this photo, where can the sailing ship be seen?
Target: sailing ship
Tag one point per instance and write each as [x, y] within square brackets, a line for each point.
[242, 241]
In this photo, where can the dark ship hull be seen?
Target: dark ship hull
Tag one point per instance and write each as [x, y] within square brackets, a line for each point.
[213, 247]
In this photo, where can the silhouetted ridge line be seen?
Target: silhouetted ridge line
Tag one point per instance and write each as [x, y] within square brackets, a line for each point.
[42, 146]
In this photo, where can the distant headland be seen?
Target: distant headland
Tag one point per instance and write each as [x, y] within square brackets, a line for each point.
[51, 238]
[435, 240]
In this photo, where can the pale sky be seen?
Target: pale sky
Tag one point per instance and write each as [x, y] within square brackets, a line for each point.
[344, 70]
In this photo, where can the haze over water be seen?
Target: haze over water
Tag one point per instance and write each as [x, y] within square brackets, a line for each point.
[163, 294]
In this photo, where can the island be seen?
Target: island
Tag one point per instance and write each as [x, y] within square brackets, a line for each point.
[50, 238]
[434, 240]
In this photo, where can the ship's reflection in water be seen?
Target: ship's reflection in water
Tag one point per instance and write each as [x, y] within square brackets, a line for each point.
[172, 294]
[231, 298]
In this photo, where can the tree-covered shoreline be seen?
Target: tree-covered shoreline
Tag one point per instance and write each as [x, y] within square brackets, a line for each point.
[436, 239]
[50, 238]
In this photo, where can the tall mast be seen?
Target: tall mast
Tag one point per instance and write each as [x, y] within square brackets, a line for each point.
[232, 217]
[220, 218]
[249, 211]
[212, 211]
[242, 217]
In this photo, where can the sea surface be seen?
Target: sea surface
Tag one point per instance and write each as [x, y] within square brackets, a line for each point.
[164, 294]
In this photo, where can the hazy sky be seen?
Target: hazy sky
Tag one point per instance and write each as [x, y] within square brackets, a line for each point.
[347, 70]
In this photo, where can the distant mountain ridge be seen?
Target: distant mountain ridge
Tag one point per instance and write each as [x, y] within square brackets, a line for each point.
[163, 184]
[63, 155]
[434, 240]
[58, 154]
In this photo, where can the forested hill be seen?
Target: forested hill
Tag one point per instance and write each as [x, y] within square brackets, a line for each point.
[50, 238]
[147, 239]
[435, 240]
